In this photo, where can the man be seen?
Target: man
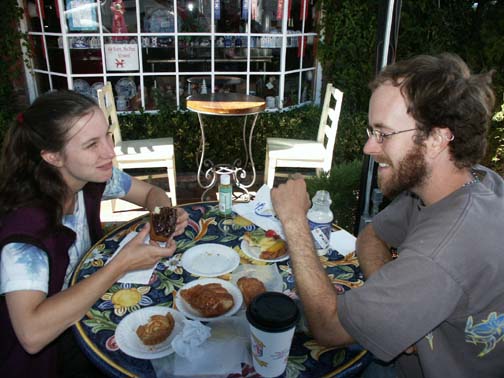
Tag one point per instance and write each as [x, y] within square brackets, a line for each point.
[443, 295]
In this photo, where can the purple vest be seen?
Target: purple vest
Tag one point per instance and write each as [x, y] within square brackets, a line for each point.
[30, 225]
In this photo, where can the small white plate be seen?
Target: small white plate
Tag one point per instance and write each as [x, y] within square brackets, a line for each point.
[126, 87]
[255, 252]
[82, 86]
[186, 309]
[129, 342]
[210, 260]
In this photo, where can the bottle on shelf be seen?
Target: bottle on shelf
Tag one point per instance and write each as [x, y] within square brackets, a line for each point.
[225, 195]
[320, 219]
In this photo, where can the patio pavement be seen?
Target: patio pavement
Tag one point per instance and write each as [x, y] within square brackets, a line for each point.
[187, 191]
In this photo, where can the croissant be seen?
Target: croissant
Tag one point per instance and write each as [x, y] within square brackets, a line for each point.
[156, 330]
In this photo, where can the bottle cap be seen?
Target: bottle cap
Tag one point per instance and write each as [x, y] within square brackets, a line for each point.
[322, 196]
[225, 179]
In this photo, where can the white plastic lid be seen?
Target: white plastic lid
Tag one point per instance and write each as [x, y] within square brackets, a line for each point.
[225, 179]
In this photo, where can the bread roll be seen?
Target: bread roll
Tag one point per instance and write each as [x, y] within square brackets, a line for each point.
[250, 288]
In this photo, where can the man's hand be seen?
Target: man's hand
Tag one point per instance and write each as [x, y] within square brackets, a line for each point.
[290, 200]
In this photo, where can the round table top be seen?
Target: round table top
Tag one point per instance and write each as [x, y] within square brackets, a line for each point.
[225, 103]
[95, 332]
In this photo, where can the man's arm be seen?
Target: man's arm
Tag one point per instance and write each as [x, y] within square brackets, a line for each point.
[371, 251]
[316, 291]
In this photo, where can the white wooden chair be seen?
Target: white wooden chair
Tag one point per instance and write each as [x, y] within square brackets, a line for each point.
[142, 153]
[298, 153]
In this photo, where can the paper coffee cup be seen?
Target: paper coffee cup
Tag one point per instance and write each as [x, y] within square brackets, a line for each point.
[272, 318]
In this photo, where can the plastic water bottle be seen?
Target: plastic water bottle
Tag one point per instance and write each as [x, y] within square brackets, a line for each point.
[225, 195]
[320, 219]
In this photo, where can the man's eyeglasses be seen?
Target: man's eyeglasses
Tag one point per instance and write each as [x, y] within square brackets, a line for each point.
[379, 136]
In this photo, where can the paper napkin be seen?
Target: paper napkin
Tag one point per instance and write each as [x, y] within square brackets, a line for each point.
[141, 276]
[342, 241]
[260, 211]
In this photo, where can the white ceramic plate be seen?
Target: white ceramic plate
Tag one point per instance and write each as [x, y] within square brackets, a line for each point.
[210, 260]
[94, 89]
[126, 87]
[189, 312]
[130, 343]
[82, 87]
[255, 252]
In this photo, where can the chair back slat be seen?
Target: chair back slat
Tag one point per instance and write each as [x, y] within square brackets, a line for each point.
[329, 120]
[106, 103]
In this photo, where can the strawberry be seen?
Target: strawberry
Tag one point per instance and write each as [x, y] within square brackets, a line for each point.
[271, 234]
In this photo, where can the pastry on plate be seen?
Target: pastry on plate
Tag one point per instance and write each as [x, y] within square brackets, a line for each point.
[270, 244]
[156, 330]
[250, 288]
[163, 221]
[208, 300]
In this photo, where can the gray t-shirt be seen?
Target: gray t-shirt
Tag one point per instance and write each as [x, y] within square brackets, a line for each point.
[445, 291]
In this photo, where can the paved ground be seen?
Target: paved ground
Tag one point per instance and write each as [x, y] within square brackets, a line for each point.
[187, 191]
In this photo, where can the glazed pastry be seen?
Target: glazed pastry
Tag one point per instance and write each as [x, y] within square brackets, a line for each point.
[163, 222]
[208, 300]
[156, 330]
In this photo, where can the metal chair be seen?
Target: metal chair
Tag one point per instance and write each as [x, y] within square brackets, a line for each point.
[298, 153]
[142, 153]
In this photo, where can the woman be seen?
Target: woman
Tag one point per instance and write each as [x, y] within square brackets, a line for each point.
[56, 167]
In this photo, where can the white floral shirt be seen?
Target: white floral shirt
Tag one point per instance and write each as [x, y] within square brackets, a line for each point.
[26, 267]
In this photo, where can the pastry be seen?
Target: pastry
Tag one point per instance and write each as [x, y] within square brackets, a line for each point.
[270, 244]
[163, 222]
[208, 300]
[250, 288]
[156, 330]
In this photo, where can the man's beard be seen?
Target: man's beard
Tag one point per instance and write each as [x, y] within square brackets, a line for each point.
[411, 172]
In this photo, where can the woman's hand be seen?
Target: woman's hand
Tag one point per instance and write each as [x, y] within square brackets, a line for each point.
[182, 218]
[138, 255]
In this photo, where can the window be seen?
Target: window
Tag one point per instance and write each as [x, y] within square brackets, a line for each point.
[165, 50]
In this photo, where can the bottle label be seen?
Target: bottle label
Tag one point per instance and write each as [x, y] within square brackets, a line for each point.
[321, 233]
[225, 200]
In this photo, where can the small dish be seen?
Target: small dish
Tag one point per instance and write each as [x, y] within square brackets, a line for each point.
[255, 252]
[94, 89]
[128, 341]
[186, 309]
[126, 87]
[210, 260]
[264, 210]
[82, 87]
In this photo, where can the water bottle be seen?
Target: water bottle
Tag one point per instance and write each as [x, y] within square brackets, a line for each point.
[320, 219]
[225, 195]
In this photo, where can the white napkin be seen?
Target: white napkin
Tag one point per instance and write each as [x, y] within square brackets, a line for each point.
[141, 276]
[188, 342]
[260, 211]
[342, 241]
[222, 354]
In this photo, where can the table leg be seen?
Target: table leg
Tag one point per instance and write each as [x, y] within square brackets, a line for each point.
[248, 155]
[210, 172]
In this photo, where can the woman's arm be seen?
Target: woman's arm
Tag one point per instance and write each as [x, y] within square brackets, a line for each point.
[149, 196]
[37, 319]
